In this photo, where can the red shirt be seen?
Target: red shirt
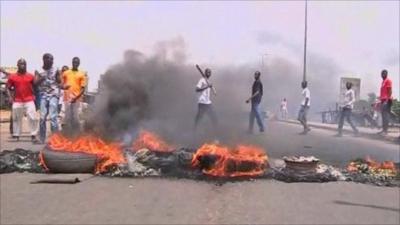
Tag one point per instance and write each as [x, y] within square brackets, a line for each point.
[23, 86]
[385, 87]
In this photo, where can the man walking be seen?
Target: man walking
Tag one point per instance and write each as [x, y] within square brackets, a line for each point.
[203, 88]
[386, 101]
[48, 81]
[256, 95]
[22, 100]
[73, 82]
[349, 99]
[305, 106]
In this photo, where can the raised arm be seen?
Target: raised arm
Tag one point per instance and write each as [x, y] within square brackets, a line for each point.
[255, 94]
[2, 70]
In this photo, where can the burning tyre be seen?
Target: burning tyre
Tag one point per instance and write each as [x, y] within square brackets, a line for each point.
[84, 154]
[68, 162]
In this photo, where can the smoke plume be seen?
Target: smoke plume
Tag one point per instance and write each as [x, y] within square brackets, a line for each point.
[157, 92]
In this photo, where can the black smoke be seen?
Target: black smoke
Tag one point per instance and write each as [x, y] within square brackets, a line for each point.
[157, 92]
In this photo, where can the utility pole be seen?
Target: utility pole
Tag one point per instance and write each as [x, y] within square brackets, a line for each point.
[262, 62]
[305, 44]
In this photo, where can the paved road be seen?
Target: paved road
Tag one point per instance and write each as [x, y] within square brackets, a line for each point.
[172, 201]
[283, 139]
[125, 201]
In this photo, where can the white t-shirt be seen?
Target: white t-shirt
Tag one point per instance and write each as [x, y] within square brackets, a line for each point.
[204, 96]
[349, 98]
[306, 94]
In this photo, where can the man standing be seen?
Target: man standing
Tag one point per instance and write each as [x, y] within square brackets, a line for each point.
[305, 106]
[22, 99]
[349, 99]
[256, 95]
[48, 81]
[386, 101]
[61, 105]
[73, 82]
[203, 88]
[284, 110]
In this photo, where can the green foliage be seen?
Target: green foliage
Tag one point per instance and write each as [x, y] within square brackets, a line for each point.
[396, 107]
[371, 97]
[360, 104]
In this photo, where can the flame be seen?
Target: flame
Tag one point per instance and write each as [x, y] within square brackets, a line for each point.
[107, 153]
[225, 162]
[373, 165]
[41, 161]
[352, 167]
[151, 141]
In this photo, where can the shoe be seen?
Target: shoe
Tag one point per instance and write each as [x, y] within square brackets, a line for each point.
[262, 130]
[38, 142]
[338, 135]
[35, 140]
[357, 134]
[15, 137]
[308, 129]
[303, 133]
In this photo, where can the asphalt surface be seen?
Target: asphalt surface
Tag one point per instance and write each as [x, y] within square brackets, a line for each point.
[101, 200]
[171, 201]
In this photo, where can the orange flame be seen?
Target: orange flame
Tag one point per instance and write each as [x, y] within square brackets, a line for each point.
[373, 165]
[107, 154]
[239, 161]
[41, 161]
[352, 167]
[151, 141]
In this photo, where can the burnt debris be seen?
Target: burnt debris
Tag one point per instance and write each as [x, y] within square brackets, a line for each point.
[20, 160]
[147, 163]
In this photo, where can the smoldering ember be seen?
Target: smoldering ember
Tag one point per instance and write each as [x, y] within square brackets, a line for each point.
[150, 156]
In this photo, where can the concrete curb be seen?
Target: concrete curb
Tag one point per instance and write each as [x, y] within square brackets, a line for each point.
[348, 131]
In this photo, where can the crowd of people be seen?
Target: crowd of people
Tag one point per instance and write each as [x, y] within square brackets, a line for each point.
[55, 93]
[49, 92]
[385, 102]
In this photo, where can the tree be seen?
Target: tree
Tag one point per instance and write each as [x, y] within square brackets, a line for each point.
[371, 98]
[396, 107]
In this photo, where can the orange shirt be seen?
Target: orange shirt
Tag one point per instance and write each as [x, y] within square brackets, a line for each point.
[76, 80]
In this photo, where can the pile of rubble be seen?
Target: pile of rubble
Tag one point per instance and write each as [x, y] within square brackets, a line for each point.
[20, 160]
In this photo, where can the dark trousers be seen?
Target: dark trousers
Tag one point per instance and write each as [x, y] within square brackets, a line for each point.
[346, 114]
[255, 114]
[302, 117]
[205, 109]
[386, 112]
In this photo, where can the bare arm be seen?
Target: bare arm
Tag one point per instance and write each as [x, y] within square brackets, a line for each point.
[255, 94]
[2, 70]
[9, 93]
[306, 103]
[353, 99]
[58, 77]
[79, 95]
[38, 79]
[204, 88]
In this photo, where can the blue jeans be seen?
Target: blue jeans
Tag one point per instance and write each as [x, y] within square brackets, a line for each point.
[302, 117]
[48, 105]
[255, 113]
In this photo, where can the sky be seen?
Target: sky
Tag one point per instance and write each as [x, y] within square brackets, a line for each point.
[360, 37]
